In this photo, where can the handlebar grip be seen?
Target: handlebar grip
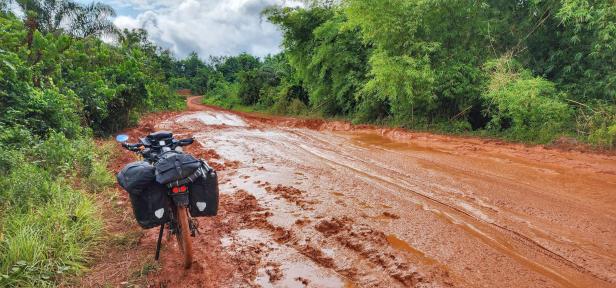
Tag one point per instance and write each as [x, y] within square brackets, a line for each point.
[132, 147]
[187, 141]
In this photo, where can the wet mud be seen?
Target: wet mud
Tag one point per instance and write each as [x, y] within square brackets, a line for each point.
[310, 203]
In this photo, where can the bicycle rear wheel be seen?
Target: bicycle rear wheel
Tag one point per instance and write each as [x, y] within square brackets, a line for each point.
[183, 235]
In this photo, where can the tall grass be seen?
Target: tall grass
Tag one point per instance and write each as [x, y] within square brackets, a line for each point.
[47, 224]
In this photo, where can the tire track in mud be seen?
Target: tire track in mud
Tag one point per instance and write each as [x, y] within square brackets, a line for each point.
[358, 238]
[371, 244]
[498, 244]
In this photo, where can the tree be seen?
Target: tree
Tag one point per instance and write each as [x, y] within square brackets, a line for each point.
[92, 20]
[329, 57]
[47, 16]
[253, 82]
[57, 16]
[231, 66]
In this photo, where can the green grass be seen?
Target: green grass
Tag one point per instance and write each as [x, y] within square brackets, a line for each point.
[49, 220]
[146, 268]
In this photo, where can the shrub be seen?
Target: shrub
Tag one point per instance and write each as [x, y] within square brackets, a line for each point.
[521, 106]
[60, 156]
[224, 95]
[252, 83]
[596, 123]
[161, 97]
[372, 110]
[403, 81]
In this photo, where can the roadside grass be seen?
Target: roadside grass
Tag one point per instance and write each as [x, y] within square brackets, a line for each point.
[118, 258]
[50, 220]
[227, 101]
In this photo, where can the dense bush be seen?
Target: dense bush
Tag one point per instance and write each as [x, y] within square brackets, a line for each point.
[430, 64]
[597, 122]
[252, 84]
[59, 85]
[524, 107]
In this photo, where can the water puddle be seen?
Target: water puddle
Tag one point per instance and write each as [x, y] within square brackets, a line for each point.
[214, 118]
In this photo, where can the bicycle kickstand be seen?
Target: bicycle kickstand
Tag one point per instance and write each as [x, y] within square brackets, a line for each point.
[160, 237]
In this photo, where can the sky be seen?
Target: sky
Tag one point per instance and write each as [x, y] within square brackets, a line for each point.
[208, 27]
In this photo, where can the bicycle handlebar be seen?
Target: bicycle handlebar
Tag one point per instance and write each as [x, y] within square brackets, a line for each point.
[175, 143]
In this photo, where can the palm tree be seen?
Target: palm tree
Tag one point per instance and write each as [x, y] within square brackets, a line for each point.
[93, 20]
[56, 16]
[47, 16]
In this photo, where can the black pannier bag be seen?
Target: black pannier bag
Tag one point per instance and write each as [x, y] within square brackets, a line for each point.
[147, 197]
[203, 193]
[175, 166]
[150, 206]
[136, 176]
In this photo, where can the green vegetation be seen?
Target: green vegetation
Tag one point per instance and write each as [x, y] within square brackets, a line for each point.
[528, 71]
[59, 86]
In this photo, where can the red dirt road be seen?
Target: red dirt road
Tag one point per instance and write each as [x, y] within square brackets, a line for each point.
[327, 204]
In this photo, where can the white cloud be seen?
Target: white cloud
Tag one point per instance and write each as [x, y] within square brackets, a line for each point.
[126, 22]
[209, 27]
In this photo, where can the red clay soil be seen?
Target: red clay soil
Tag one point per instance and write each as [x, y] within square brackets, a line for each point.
[329, 204]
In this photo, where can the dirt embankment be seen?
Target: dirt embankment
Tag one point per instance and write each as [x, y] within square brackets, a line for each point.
[328, 204]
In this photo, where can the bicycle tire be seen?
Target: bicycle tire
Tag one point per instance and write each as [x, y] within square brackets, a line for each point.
[183, 236]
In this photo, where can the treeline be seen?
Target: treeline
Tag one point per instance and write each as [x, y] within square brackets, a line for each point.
[531, 71]
[60, 85]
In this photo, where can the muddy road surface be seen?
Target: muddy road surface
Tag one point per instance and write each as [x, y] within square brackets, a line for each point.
[327, 204]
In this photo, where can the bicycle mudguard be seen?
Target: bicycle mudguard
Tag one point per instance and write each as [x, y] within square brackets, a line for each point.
[180, 199]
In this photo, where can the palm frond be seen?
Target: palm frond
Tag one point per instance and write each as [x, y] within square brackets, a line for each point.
[55, 16]
[93, 20]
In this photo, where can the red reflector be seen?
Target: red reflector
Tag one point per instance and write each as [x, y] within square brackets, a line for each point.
[175, 190]
[183, 188]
